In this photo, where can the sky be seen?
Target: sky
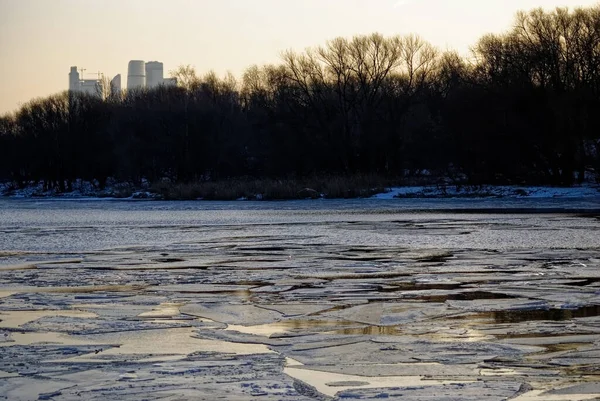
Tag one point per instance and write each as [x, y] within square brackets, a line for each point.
[41, 39]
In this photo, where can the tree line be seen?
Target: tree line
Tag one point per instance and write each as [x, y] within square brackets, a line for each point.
[525, 108]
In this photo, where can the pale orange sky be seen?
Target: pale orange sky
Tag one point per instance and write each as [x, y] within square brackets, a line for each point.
[41, 39]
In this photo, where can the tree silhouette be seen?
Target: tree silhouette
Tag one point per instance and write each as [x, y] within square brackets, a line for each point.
[522, 109]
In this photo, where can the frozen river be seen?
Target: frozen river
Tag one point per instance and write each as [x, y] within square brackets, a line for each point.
[357, 299]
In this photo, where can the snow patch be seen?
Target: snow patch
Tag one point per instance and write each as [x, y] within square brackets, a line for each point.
[437, 191]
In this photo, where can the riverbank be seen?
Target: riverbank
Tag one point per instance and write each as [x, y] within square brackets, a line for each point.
[331, 187]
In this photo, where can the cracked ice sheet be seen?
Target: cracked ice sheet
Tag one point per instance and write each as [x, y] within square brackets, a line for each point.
[202, 376]
[301, 309]
[358, 275]
[97, 326]
[437, 370]
[76, 289]
[391, 313]
[341, 350]
[470, 391]
[569, 393]
[232, 314]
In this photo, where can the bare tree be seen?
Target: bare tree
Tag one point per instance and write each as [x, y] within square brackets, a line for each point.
[106, 90]
[186, 76]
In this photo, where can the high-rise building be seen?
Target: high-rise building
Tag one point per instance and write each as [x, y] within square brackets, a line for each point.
[154, 74]
[136, 74]
[74, 82]
[115, 86]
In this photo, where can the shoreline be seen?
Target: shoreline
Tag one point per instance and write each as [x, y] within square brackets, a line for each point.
[241, 191]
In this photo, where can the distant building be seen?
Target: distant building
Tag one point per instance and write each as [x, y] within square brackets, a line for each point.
[136, 74]
[90, 87]
[154, 74]
[115, 86]
[139, 75]
[74, 82]
[77, 84]
[170, 82]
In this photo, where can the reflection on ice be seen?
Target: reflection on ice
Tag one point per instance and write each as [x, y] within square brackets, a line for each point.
[287, 326]
[164, 310]
[550, 314]
[160, 345]
[332, 383]
[461, 334]
[23, 266]
[29, 338]
[369, 331]
[4, 375]
[14, 319]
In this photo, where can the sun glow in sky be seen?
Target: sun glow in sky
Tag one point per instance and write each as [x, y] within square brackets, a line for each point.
[41, 39]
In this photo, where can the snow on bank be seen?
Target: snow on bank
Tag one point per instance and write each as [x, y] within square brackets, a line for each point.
[80, 190]
[86, 190]
[585, 191]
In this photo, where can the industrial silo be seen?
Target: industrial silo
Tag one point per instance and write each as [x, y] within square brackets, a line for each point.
[136, 74]
[154, 74]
